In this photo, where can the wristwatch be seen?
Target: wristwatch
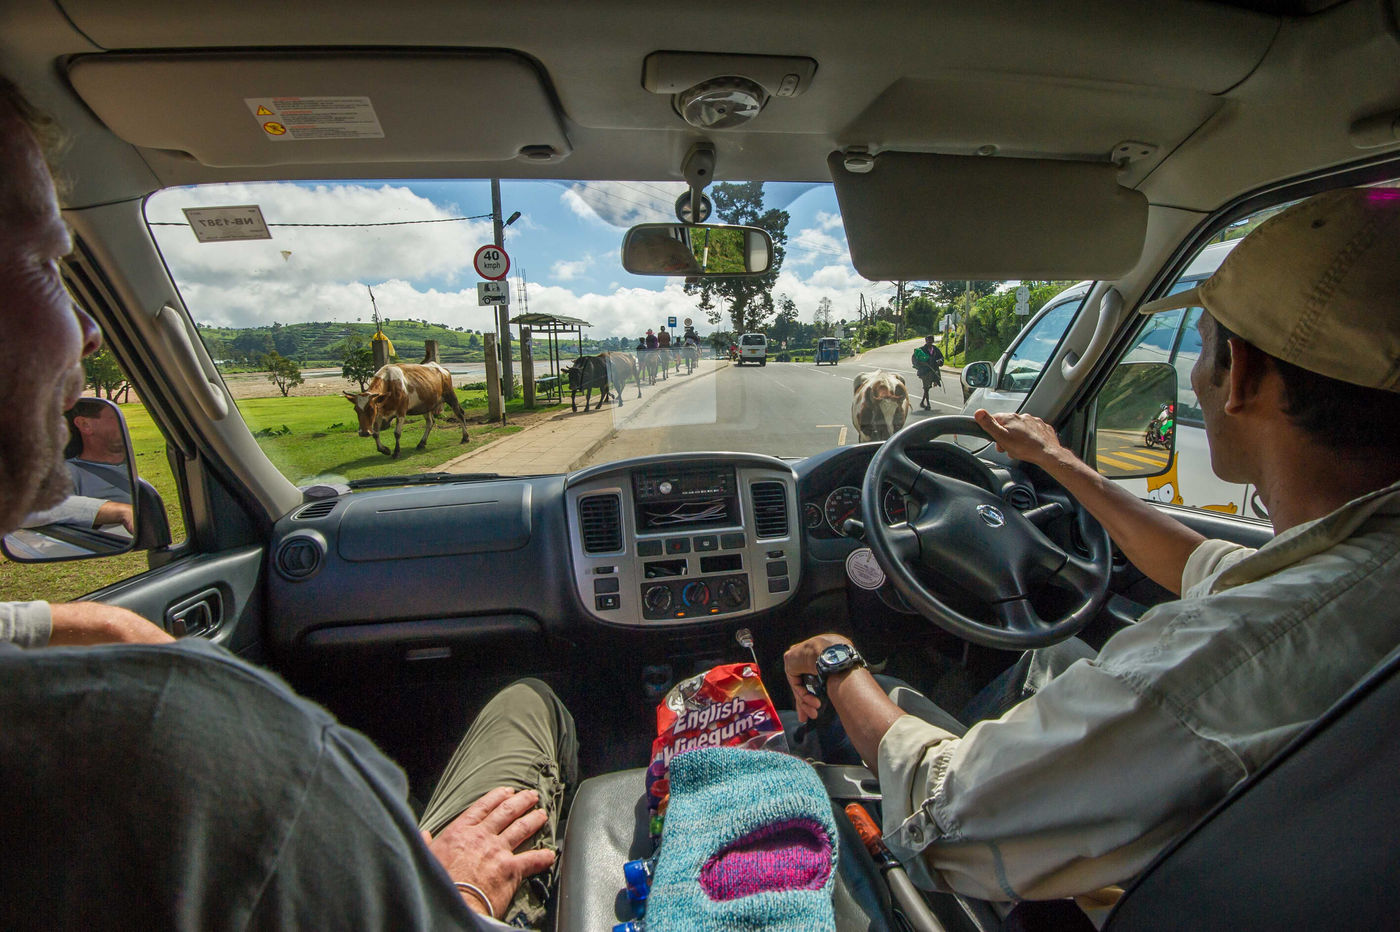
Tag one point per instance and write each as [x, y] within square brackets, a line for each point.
[838, 658]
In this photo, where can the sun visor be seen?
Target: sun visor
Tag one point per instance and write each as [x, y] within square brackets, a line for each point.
[935, 217]
[245, 109]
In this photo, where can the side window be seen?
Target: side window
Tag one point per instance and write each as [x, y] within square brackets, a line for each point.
[1173, 337]
[68, 580]
[1037, 345]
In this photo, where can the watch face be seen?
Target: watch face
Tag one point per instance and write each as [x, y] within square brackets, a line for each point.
[836, 654]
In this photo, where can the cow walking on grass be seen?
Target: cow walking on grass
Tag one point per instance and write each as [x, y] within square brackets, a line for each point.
[398, 391]
[880, 406]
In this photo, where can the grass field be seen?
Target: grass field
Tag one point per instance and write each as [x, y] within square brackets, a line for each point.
[308, 439]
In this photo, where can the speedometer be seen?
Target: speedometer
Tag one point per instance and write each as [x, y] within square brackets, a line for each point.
[842, 503]
[892, 504]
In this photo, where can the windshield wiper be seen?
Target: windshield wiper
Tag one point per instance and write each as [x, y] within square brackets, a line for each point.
[422, 478]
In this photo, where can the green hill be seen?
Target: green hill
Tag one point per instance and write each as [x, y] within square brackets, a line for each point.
[323, 343]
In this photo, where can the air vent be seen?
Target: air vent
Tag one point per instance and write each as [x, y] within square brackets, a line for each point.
[300, 557]
[600, 523]
[316, 510]
[1021, 497]
[770, 516]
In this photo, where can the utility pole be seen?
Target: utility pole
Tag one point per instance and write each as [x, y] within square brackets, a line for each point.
[967, 316]
[899, 303]
[503, 311]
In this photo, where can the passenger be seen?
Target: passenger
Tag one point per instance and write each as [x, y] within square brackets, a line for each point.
[97, 469]
[1084, 782]
[180, 787]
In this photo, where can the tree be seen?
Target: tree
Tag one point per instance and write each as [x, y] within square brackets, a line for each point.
[785, 326]
[103, 372]
[749, 300]
[251, 345]
[951, 292]
[822, 317]
[358, 366]
[282, 372]
[921, 315]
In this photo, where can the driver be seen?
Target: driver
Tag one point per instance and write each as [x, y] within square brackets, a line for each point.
[1080, 785]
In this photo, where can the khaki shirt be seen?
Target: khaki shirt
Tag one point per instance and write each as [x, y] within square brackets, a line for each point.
[1083, 784]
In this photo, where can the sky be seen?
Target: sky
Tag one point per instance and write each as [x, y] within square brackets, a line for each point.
[567, 244]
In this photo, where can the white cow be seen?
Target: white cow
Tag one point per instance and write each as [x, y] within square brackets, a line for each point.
[880, 406]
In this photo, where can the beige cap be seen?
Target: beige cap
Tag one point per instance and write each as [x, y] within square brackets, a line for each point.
[1318, 286]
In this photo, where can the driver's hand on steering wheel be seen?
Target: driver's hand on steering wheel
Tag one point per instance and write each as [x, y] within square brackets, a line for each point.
[1023, 436]
[800, 659]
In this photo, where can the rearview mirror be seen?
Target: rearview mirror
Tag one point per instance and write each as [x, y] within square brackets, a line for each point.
[696, 250]
[109, 510]
[1135, 421]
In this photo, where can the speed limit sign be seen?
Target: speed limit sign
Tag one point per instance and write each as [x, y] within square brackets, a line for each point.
[491, 262]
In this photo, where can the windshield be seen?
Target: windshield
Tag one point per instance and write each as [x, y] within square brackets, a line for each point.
[301, 290]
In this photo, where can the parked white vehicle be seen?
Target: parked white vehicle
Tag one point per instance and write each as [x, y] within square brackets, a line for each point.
[1170, 338]
[753, 347]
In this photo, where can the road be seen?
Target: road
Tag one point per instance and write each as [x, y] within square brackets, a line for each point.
[783, 409]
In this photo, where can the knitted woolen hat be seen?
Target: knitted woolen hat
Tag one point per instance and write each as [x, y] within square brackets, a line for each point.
[749, 843]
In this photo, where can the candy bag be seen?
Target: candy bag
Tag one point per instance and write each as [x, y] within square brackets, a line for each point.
[726, 706]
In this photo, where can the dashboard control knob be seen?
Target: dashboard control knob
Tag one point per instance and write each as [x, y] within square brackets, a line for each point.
[657, 599]
[695, 594]
[733, 593]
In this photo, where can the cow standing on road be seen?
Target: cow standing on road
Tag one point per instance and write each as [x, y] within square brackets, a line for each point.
[880, 406]
[398, 391]
[606, 372]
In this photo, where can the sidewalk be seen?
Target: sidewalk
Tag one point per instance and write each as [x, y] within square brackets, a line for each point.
[562, 442]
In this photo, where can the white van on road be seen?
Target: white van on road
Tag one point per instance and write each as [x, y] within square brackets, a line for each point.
[753, 347]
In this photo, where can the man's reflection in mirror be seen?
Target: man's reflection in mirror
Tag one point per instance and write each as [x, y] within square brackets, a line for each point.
[96, 458]
[661, 250]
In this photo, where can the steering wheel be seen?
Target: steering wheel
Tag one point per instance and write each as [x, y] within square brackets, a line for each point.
[966, 533]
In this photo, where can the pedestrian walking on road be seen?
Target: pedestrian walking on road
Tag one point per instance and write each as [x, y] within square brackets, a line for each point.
[928, 362]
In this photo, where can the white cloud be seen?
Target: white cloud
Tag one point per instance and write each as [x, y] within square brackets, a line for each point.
[567, 270]
[317, 255]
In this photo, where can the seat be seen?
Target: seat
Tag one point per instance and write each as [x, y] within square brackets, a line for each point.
[1308, 842]
[599, 838]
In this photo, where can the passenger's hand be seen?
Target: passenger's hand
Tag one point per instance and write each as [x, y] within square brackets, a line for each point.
[115, 513]
[87, 623]
[479, 846]
[801, 658]
[1023, 436]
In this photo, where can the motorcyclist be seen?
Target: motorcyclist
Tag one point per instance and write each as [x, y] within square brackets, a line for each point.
[927, 361]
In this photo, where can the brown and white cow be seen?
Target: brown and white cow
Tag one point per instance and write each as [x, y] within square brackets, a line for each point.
[880, 406]
[397, 391]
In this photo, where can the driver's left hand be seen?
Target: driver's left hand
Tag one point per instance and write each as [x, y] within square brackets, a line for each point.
[801, 658]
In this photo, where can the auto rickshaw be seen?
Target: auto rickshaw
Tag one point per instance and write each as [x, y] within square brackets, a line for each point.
[828, 350]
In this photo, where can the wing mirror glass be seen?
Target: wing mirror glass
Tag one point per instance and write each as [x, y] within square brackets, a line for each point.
[108, 510]
[1135, 421]
[977, 374]
[687, 250]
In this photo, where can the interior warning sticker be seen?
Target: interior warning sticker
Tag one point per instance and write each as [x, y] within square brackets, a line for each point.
[290, 119]
[863, 570]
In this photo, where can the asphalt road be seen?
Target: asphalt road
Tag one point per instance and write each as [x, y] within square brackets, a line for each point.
[783, 409]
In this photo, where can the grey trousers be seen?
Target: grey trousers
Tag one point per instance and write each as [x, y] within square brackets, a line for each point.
[523, 738]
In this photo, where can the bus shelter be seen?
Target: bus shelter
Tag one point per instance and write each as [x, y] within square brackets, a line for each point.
[556, 329]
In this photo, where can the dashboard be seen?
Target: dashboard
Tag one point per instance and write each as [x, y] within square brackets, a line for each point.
[672, 540]
[659, 542]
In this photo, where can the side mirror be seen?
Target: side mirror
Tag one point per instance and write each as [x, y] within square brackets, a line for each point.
[109, 511]
[696, 250]
[977, 374]
[1135, 421]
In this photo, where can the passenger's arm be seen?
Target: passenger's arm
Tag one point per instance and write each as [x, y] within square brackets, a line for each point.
[86, 623]
[478, 847]
[1156, 544]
